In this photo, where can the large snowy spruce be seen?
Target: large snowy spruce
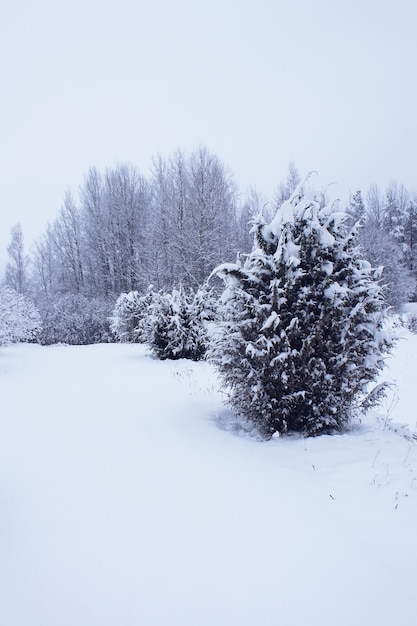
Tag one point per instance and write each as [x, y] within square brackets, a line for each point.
[301, 331]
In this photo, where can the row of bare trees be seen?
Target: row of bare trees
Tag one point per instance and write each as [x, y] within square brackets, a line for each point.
[123, 231]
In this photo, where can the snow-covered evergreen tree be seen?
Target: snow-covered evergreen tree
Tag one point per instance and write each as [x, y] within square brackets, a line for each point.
[385, 240]
[201, 312]
[394, 210]
[128, 318]
[19, 318]
[175, 325]
[301, 332]
[356, 208]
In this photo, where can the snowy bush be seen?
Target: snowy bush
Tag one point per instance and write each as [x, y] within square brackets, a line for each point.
[127, 320]
[19, 318]
[301, 332]
[408, 320]
[412, 323]
[76, 320]
[175, 325]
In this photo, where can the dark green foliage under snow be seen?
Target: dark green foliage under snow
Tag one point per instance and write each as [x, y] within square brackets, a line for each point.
[128, 317]
[173, 323]
[301, 332]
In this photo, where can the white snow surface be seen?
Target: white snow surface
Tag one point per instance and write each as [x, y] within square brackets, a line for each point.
[124, 503]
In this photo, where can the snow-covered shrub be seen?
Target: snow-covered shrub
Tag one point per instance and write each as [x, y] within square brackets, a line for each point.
[126, 322]
[408, 320]
[19, 318]
[175, 325]
[412, 323]
[76, 320]
[301, 332]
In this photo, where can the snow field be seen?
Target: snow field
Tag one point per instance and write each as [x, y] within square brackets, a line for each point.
[123, 503]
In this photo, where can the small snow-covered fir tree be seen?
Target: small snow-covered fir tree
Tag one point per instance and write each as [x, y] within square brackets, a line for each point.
[129, 313]
[124, 319]
[175, 325]
[356, 208]
[301, 333]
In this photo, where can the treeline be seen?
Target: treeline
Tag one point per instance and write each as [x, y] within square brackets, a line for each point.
[123, 232]
[388, 237]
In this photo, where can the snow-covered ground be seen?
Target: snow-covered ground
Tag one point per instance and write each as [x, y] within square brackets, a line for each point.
[123, 503]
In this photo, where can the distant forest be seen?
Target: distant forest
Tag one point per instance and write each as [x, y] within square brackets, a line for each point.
[123, 231]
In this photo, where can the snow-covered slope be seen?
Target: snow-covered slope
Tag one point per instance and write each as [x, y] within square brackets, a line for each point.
[123, 503]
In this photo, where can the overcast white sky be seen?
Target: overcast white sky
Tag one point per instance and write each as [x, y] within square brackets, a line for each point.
[330, 84]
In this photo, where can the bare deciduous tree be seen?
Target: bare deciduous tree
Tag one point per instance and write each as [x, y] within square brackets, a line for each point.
[17, 267]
